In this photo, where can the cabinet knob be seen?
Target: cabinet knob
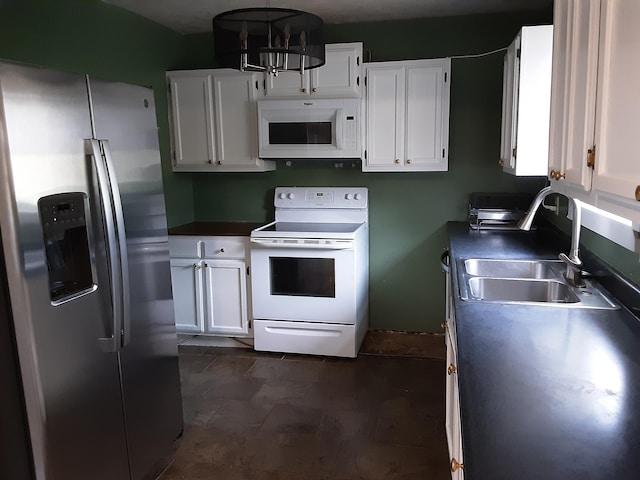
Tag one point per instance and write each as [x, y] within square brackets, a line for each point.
[303, 90]
[397, 160]
[219, 162]
[557, 175]
[501, 162]
[314, 89]
[409, 162]
[638, 193]
[452, 369]
[222, 250]
[196, 266]
[443, 326]
[455, 465]
[205, 265]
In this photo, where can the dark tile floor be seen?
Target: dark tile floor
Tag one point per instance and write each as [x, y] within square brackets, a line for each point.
[261, 416]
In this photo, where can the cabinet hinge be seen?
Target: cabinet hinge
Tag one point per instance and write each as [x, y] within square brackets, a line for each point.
[264, 83]
[173, 155]
[365, 81]
[591, 157]
[358, 81]
[518, 53]
[365, 154]
[358, 60]
[445, 77]
[514, 152]
[248, 271]
[443, 153]
[257, 87]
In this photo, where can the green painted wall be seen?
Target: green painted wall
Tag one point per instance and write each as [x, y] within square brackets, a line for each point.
[92, 37]
[408, 211]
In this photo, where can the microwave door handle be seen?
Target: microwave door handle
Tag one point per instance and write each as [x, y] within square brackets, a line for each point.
[124, 285]
[92, 149]
[334, 245]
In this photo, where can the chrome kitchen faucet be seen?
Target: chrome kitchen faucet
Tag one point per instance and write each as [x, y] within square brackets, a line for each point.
[573, 262]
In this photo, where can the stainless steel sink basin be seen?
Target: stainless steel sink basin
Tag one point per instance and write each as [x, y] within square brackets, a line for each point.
[482, 267]
[526, 282]
[521, 290]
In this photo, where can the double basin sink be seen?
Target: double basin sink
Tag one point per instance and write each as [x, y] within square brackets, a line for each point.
[526, 282]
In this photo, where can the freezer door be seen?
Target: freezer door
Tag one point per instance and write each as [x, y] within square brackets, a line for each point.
[125, 123]
[63, 327]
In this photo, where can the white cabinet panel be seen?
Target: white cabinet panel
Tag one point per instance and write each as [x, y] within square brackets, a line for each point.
[385, 116]
[407, 116]
[526, 102]
[226, 291]
[338, 77]
[192, 121]
[617, 166]
[573, 93]
[214, 121]
[210, 290]
[187, 282]
[595, 104]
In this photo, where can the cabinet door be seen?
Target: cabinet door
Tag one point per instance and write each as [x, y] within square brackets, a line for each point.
[453, 424]
[573, 91]
[427, 117]
[288, 84]
[385, 118]
[236, 130]
[192, 125]
[617, 167]
[508, 84]
[340, 75]
[226, 297]
[186, 279]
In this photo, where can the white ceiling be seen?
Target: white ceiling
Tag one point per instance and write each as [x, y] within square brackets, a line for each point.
[194, 16]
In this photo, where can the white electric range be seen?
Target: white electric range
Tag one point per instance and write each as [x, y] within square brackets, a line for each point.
[310, 272]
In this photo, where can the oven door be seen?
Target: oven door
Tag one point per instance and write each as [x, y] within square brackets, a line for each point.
[303, 282]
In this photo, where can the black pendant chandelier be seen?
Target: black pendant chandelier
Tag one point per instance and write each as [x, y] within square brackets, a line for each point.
[269, 40]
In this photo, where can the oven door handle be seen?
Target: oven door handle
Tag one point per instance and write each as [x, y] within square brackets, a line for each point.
[288, 243]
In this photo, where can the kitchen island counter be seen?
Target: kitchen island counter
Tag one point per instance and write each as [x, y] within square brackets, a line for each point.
[546, 392]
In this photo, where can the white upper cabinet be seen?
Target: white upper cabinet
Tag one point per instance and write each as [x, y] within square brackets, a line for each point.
[338, 77]
[407, 116]
[526, 102]
[617, 164]
[596, 106]
[214, 126]
[191, 112]
[573, 92]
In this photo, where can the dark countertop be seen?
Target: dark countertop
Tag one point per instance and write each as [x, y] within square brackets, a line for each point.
[545, 392]
[215, 228]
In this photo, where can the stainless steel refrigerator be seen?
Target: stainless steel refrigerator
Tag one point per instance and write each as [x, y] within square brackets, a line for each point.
[84, 243]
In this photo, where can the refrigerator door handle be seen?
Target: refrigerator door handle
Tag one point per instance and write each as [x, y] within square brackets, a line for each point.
[92, 148]
[125, 300]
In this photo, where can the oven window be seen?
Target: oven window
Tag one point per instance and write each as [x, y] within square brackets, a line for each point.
[308, 277]
[300, 133]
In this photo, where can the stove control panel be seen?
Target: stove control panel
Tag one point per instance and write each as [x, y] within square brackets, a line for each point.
[321, 197]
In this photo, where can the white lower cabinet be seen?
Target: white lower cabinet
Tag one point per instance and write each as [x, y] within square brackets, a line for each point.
[210, 287]
[453, 422]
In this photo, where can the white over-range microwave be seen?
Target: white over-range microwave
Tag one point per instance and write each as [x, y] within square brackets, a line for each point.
[324, 128]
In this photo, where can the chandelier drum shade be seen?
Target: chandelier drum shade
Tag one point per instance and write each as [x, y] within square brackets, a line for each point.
[269, 40]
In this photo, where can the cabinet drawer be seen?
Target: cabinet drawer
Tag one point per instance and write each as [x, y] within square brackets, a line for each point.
[184, 246]
[224, 247]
